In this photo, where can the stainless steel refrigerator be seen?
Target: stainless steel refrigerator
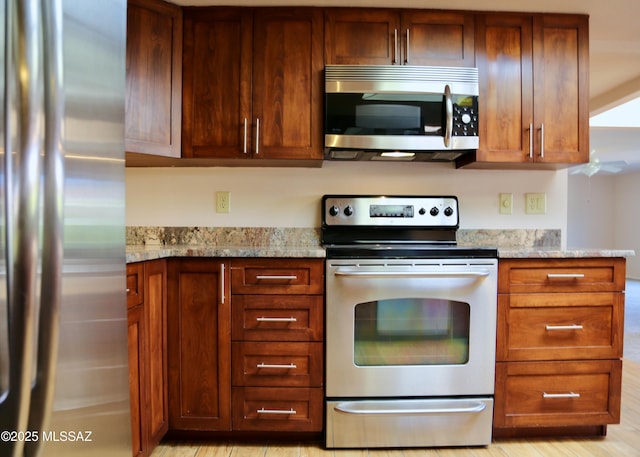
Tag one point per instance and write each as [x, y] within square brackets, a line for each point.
[64, 387]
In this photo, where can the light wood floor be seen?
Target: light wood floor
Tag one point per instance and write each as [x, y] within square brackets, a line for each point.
[621, 440]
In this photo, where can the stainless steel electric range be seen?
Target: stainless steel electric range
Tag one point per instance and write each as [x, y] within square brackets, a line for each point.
[411, 324]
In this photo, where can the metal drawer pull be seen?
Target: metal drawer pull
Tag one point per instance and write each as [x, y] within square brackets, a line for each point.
[269, 365]
[276, 411]
[276, 319]
[565, 327]
[276, 277]
[567, 395]
[565, 275]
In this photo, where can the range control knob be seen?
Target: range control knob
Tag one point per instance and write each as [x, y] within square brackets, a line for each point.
[466, 118]
[422, 211]
[434, 211]
[334, 210]
[448, 211]
[348, 211]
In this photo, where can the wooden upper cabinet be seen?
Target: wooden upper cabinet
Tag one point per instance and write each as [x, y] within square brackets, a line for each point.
[533, 88]
[153, 78]
[252, 83]
[356, 36]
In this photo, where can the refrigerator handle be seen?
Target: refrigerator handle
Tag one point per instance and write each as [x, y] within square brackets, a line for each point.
[23, 75]
[53, 224]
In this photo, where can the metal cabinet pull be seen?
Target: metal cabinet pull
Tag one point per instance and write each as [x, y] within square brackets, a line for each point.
[542, 141]
[395, 47]
[564, 327]
[244, 148]
[565, 275]
[276, 319]
[222, 294]
[531, 141]
[276, 411]
[406, 49]
[276, 277]
[563, 395]
[288, 366]
[257, 135]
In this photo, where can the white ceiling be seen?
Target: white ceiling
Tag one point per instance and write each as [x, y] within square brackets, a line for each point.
[614, 41]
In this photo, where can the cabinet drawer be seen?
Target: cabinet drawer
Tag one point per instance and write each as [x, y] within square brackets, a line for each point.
[277, 276]
[135, 278]
[561, 275]
[547, 394]
[281, 364]
[277, 318]
[560, 326]
[277, 409]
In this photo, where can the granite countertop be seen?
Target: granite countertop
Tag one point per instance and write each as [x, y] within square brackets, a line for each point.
[149, 243]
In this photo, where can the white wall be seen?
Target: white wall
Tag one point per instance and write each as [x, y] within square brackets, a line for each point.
[626, 223]
[290, 197]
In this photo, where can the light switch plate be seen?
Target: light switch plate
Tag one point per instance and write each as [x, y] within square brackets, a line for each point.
[506, 203]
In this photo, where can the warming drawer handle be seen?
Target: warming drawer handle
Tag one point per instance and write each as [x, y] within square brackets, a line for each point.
[564, 327]
[288, 366]
[565, 275]
[276, 411]
[473, 408]
[276, 277]
[563, 395]
[276, 319]
[416, 274]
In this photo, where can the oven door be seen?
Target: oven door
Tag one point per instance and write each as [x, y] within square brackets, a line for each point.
[410, 328]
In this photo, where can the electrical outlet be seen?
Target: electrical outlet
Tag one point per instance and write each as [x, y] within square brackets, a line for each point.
[223, 202]
[535, 203]
[506, 203]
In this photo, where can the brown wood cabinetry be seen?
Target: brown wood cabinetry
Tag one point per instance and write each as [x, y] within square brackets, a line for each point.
[278, 331]
[252, 83]
[153, 78]
[560, 337]
[358, 36]
[146, 301]
[199, 340]
[533, 89]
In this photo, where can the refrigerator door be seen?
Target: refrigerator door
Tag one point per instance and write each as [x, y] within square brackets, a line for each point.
[89, 412]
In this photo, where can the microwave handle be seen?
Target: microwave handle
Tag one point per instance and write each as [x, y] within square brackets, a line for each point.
[448, 106]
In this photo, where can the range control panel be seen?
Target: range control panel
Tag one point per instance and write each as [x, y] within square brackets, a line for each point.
[389, 211]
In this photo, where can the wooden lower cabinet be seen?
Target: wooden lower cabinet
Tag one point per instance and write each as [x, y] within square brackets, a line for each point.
[559, 345]
[146, 301]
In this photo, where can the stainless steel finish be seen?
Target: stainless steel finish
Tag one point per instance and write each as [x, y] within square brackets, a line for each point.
[531, 141]
[542, 141]
[564, 327]
[565, 275]
[401, 78]
[344, 379]
[400, 143]
[276, 319]
[276, 411]
[276, 277]
[361, 211]
[287, 366]
[409, 423]
[222, 283]
[412, 274]
[395, 47]
[566, 395]
[244, 147]
[63, 306]
[406, 49]
[257, 136]
[448, 108]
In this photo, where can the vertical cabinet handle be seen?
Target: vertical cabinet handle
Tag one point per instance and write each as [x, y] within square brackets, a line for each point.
[542, 141]
[257, 135]
[406, 49]
[531, 141]
[222, 284]
[394, 61]
[244, 147]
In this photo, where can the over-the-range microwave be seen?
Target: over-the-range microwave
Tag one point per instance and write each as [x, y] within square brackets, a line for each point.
[400, 112]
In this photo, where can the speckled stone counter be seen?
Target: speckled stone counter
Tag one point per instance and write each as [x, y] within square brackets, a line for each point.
[148, 243]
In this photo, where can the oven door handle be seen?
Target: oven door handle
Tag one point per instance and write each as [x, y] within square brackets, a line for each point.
[375, 408]
[412, 274]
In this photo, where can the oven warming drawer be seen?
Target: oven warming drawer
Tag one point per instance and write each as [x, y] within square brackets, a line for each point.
[409, 423]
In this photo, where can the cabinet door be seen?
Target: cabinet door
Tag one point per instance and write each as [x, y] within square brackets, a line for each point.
[137, 380]
[217, 83]
[153, 78]
[155, 311]
[561, 88]
[199, 345]
[437, 38]
[358, 36]
[504, 54]
[287, 83]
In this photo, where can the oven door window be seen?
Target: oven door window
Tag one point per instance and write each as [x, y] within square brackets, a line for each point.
[411, 331]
